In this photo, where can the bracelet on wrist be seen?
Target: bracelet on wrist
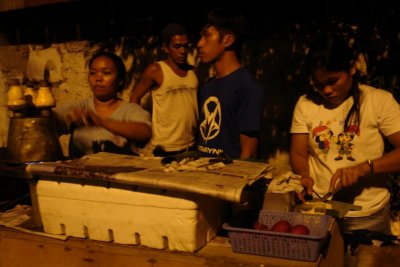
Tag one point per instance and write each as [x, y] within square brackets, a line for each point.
[370, 163]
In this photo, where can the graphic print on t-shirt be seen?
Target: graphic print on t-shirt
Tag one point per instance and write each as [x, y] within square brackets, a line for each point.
[323, 137]
[211, 125]
[344, 142]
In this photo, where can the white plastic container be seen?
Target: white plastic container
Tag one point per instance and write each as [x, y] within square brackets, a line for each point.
[129, 215]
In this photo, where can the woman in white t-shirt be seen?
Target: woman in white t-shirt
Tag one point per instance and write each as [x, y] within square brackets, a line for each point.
[337, 135]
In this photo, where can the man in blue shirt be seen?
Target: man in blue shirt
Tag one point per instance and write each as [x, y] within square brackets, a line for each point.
[231, 102]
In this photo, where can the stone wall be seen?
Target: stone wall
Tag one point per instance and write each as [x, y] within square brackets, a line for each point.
[65, 66]
[67, 69]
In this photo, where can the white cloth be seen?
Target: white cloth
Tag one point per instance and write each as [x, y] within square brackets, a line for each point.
[175, 111]
[41, 60]
[330, 149]
[286, 182]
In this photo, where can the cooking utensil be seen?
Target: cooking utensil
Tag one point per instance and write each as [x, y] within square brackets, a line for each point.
[339, 209]
[329, 194]
[325, 197]
[334, 208]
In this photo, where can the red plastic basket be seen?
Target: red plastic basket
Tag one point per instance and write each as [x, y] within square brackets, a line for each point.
[276, 244]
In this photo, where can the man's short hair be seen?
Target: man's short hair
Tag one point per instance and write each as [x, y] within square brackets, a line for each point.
[171, 30]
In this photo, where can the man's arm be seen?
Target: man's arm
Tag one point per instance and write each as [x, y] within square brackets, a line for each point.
[248, 146]
[152, 76]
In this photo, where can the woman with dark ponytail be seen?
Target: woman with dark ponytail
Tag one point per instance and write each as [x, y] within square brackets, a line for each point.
[337, 135]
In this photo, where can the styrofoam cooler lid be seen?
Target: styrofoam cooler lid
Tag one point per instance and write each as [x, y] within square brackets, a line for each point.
[226, 183]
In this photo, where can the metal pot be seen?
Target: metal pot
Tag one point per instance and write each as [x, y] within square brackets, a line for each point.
[33, 139]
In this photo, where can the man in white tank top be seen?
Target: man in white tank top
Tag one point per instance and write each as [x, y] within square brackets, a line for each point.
[173, 86]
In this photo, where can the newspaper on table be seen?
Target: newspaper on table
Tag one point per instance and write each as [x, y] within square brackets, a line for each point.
[224, 181]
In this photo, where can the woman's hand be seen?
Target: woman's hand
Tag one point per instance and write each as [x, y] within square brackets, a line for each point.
[77, 116]
[94, 119]
[83, 117]
[348, 176]
[308, 184]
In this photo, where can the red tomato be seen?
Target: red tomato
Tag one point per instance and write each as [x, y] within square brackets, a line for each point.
[300, 229]
[281, 226]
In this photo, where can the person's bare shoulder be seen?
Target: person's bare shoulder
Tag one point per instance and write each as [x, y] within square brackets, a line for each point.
[153, 73]
[152, 69]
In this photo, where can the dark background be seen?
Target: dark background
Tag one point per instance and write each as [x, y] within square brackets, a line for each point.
[93, 20]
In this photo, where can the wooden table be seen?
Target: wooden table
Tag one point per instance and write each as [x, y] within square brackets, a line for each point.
[371, 256]
[26, 249]
[19, 248]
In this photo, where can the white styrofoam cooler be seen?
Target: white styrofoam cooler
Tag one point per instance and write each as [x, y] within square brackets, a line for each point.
[127, 214]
